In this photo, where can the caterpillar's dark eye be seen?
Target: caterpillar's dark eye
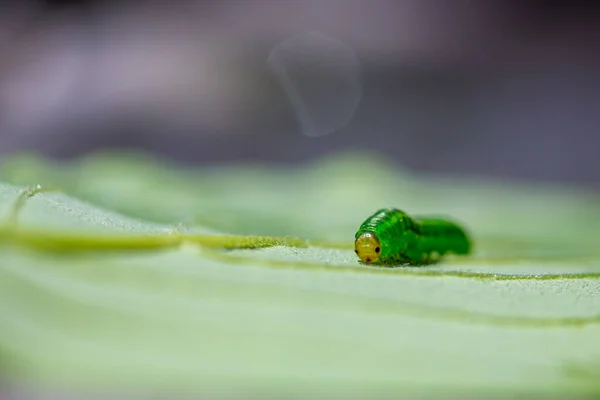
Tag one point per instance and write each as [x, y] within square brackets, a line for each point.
[377, 249]
[356, 251]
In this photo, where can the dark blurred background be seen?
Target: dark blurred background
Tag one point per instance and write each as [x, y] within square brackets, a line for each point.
[488, 88]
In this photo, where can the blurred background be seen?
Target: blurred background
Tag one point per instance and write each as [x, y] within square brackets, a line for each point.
[506, 89]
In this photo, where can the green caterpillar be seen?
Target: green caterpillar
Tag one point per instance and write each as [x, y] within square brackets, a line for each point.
[391, 237]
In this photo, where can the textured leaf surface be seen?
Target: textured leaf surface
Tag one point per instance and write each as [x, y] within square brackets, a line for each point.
[150, 290]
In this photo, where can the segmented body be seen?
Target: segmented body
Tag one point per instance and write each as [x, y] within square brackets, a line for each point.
[414, 241]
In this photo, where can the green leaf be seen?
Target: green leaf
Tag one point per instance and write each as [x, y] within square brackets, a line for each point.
[126, 273]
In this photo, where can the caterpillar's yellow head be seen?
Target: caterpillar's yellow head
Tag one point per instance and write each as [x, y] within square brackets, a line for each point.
[367, 247]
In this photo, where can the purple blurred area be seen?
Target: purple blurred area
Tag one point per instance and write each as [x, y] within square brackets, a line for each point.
[487, 88]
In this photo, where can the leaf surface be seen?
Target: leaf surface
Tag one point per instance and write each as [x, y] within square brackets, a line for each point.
[139, 275]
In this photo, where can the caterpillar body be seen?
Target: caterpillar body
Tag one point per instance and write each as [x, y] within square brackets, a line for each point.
[391, 237]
